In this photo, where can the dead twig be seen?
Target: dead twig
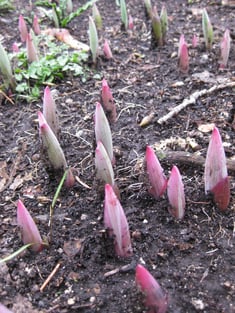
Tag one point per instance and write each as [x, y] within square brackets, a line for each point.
[46, 282]
[192, 99]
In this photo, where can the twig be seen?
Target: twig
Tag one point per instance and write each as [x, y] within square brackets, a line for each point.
[192, 99]
[190, 158]
[49, 277]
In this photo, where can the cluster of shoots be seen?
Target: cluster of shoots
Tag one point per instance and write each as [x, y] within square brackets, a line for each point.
[155, 298]
[159, 184]
[216, 174]
[159, 23]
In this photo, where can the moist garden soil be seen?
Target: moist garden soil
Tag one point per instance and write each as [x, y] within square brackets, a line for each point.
[193, 259]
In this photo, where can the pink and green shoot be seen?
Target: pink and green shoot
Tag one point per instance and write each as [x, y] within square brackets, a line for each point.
[93, 38]
[116, 223]
[49, 111]
[107, 102]
[225, 49]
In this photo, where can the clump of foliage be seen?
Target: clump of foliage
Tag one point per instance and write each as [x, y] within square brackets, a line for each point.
[60, 13]
[5, 5]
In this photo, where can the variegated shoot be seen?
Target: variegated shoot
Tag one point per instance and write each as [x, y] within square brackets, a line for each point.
[157, 179]
[107, 101]
[155, 298]
[51, 145]
[103, 131]
[115, 221]
[96, 16]
[156, 26]
[49, 111]
[5, 69]
[93, 38]
[207, 29]
[175, 193]
[216, 175]
[29, 230]
[164, 23]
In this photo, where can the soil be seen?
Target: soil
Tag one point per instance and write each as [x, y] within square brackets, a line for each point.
[193, 259]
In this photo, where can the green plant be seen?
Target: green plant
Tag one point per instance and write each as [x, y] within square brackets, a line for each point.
[93, 38]
[60, 15]
[124, 16]
[5, 5]
[57, 61]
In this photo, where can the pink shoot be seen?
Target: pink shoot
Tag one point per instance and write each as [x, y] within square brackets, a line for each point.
[175, 193]
[225, 49]
[51, 145]
[49, 111]
[107, 51]
[104, 169]
[29, 230]
[183, 56]
[155, 297]
[15, 48]
[195, 41]
[36, 27]
[116, 222]
[23, 29]
[216, 175]
[102, 131]
[4, 309]
[156, 176]
[32, 54]
[108, 102]
[130, 23]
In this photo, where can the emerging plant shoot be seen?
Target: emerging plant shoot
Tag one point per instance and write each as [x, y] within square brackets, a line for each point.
[175, 193]
[225, 49]
[32, 54]
[216, 175]
[96, 16]
[108, 102]
[116, 222]
[93, 37]
[104, 169]
[207, 30]
[124, 16]
[23, 29]
[148, 7]
[36, 27]
[102, 131]
[107, 51]
[49, 111]
[164, 23]
[51, 145]
[29, 230]
[157, 27]
[155, 298]
[183, 57]
[5, 69]
[155, 173]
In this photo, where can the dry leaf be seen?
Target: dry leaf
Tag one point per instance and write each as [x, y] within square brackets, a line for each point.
[206, 128]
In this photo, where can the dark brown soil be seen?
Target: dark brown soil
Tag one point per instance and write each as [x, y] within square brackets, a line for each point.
[194, 259]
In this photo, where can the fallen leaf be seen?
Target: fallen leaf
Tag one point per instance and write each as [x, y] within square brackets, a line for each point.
[206, 128]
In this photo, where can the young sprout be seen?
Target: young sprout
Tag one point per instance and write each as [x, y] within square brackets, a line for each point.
[104, 169]
[164, 22]
[225, 49]
[216, 175]
[5, 69]
[148, 7]
[93, 37]
[157, 27]
[32, 54]
[96, 16]
[175, 193]
[130, 23]
[23, 29]
[124, 16]
[51, 145]
[155, 298]
[102, 131]
[115, 221]
[207, 29]
[49, 111]
[15, 47]
[155, 173]
[108, 102]
[195, 41]
[36, 27]
[107, 51]
[29, 230]
[183, 57]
